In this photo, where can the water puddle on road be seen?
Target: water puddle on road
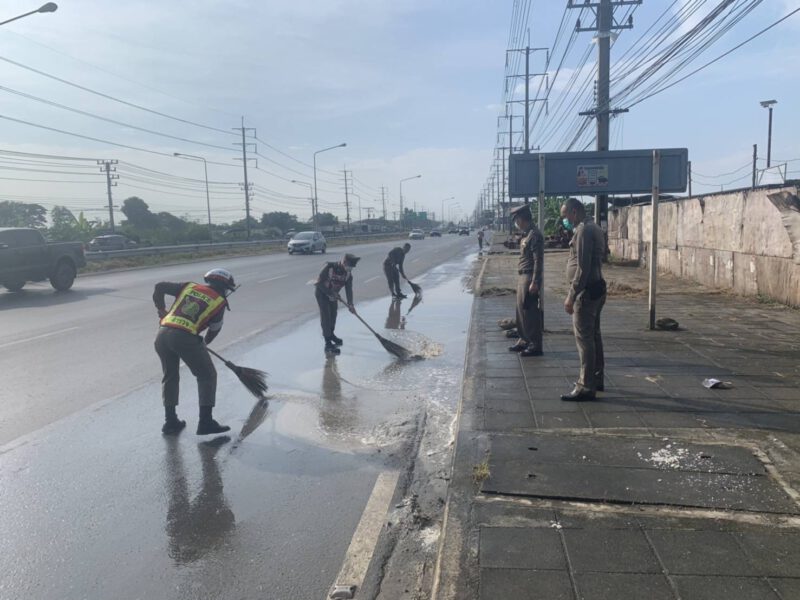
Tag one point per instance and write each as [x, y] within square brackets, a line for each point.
[365, 397]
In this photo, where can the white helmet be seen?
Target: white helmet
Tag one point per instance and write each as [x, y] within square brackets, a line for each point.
[220, 276]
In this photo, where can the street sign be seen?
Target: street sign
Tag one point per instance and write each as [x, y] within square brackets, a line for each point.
[611, 172]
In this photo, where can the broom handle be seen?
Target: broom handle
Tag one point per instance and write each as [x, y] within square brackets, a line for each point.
[228, 364]
[358, 316]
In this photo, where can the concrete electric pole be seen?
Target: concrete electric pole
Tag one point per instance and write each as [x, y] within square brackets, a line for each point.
[111, 175]
[604, 26]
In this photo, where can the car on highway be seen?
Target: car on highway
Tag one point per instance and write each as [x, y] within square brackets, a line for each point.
[416, 234]
[463, 231]
[307, 242]
[453, 231]
[26, 256]
[436, 233]
[105, 243]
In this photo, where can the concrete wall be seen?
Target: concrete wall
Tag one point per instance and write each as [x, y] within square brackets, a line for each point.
[741, 241]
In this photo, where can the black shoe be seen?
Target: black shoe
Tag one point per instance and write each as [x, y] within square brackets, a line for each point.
[331, 348]
[401, 296]
[512, 334]
[337, 340]
[207, 427]
[172, 426]
[578, 395]
[600, 387]
[531, 351]
[518, 347]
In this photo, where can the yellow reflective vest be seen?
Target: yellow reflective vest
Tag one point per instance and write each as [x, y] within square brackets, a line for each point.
[194, 307]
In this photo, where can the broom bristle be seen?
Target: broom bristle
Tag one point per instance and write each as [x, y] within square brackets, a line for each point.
[395, 349]
[254, 380]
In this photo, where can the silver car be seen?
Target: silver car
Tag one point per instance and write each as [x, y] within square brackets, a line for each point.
[308, 242]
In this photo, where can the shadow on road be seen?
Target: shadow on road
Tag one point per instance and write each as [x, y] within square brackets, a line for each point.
[45, 297]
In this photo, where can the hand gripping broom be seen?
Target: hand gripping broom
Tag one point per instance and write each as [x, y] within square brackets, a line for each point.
[254, 380]
[390, 346]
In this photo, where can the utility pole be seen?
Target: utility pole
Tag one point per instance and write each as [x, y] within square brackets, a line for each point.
[527, 102]
[110, 177]
[247, 187]
[383, 201]
[755, 164]
[604, 26]
[347, 198]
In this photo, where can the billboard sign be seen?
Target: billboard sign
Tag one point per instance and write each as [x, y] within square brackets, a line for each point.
[610, 172]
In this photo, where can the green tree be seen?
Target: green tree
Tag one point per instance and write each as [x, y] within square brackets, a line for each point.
[327, 219]
[21, 214]
[283, 221]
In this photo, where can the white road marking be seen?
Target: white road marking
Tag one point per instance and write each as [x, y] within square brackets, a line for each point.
[38, 337]
[372, 279]
[362, 546]
[273, 278]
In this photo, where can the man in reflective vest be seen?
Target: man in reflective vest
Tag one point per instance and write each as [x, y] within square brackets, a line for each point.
[333, 277]
[197, 308]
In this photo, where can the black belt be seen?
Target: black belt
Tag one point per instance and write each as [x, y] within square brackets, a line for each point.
[521, 272]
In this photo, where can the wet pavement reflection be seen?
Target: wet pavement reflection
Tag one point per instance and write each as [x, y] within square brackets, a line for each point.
[99, 505]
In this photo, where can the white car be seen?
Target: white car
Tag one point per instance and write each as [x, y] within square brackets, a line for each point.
[308, 242]
[416, 234]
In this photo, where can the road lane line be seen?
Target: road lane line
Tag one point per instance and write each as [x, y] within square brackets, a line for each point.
[372, 279]
[273, 278]
[38, 337]
[365, 538]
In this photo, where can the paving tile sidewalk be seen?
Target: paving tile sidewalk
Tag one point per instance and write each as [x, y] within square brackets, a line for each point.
[659, 489]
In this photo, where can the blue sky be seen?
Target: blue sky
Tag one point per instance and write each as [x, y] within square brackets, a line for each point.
[412, 86]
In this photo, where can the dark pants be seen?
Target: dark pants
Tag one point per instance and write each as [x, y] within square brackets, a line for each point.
[327, 313]
[392, 278]
[480, 243]
[529, 315]
[172, 346]
[586, 323]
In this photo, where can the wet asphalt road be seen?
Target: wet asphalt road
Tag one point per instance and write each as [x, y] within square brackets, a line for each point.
[96, 504]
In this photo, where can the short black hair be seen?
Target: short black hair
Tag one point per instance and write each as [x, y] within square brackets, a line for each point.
[406, 245]
[575, 204]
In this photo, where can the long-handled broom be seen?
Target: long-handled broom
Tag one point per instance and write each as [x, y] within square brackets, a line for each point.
[390, 346]
[254, 380]
[417, 289]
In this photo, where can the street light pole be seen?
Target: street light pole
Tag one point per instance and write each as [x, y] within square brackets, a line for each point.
[402, 214]
[315, 207]
[45, 8]
[208, 197]
[310, 193]
[768, 104]
[443, 201]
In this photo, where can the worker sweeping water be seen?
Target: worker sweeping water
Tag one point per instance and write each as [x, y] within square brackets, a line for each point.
[197, 308]
[333, 277]
[393, 269]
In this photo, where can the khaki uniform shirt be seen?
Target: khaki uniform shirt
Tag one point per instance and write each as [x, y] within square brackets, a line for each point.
[531, 255]
[586, 252]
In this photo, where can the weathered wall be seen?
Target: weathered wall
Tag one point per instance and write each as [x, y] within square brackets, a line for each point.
[741, 241]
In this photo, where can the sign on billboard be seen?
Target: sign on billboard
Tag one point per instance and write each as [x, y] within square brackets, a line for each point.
[611, 172]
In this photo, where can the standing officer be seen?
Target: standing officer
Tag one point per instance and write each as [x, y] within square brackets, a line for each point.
[529, 284]
[480, 240]
[586, 297]
[196, 308]
[333, 277]
[393, 268]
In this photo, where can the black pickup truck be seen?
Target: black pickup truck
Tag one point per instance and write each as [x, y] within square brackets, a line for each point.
[26, 256]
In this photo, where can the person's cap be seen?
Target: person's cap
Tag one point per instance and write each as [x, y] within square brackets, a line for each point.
[524, 210]
[351, 259]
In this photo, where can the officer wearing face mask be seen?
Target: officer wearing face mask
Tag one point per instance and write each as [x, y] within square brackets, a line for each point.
[586, 297]
[333, 277]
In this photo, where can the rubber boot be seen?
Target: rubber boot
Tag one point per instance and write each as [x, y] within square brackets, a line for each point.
[207, 425]
[172, 424]
[330, 347]
[336, 340]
